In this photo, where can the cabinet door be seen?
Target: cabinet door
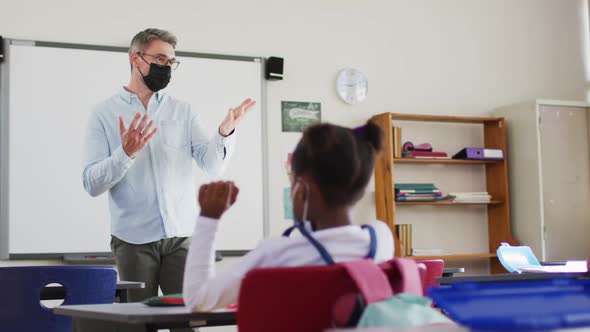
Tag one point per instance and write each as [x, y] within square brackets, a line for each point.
[566, 181]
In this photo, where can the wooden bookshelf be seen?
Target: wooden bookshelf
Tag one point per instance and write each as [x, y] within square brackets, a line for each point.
[442, 118]
[443, 202]
[443, 161]
[456, 256]
[498, 211]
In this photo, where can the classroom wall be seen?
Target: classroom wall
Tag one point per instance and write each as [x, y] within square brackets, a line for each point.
[460, 57]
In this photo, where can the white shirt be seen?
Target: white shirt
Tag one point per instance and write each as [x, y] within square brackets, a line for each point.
[152, 196]
[204, 290]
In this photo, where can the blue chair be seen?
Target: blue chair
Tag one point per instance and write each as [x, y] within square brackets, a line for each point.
[20, 290]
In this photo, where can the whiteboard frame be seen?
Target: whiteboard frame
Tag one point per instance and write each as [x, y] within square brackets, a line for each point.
[5, 143]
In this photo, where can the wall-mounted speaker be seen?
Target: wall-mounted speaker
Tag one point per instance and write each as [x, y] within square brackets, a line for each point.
[274, 68]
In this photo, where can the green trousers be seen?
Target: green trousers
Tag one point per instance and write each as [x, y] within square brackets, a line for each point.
[157, 264]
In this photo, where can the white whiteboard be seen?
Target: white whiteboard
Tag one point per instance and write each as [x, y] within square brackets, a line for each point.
[52, 90]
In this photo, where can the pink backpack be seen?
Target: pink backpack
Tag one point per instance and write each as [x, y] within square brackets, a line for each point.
[380, 303]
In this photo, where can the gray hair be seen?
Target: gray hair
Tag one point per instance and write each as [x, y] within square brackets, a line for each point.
[144, 37]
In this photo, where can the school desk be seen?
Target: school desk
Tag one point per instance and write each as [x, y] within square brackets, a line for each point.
[138, 317]
[510, 277]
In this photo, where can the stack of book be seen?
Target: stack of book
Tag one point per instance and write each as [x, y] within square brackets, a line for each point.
[404, 235]
[471, 197]
[397, 142]
[417, 192]
[426, 154]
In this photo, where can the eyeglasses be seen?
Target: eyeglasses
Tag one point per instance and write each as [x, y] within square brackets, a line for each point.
[161, 60]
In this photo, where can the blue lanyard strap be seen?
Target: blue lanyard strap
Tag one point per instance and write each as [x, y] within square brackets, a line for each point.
[372, 242]
[322, 250]
[288, 231]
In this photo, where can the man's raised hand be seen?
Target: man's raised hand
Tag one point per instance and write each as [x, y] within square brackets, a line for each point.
[134, 138]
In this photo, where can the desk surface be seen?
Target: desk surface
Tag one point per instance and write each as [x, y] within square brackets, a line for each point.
[509, 277]
[433, 328]
[139, 313]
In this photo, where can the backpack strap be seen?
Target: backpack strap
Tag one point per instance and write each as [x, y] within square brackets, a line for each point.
[371, 281]
[374, 286]
[409, 280]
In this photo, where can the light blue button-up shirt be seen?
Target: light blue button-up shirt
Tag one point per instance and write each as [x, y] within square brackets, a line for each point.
[152, 196]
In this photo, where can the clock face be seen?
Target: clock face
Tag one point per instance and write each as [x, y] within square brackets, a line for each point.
[352, 85]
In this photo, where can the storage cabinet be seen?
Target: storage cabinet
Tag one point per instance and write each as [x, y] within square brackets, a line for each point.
[550, 177]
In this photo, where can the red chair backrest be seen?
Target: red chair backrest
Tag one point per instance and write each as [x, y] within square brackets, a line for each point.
[434, 270]
[296, 299]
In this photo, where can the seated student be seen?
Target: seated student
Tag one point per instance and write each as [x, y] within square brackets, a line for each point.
[331, 167]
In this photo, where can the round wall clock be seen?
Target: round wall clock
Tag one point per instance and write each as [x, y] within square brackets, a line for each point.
[352, 85]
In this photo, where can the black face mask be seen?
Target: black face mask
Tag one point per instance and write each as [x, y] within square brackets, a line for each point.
[158, 77]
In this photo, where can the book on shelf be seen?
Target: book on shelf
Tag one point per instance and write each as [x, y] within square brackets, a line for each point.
[397, 144]
[470, 193]
[418, 191]
[471, 197]
[400, 238]
[404, 235]
[408, 251]
[425, 154]
[418, 199]
[419, 194]
[405, 239]
[425, 157]
[473, 200]
[409, 245]
[479, 153]
[414, 186]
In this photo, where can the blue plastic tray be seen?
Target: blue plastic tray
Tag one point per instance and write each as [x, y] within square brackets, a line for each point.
[530, 305]
[515, 258]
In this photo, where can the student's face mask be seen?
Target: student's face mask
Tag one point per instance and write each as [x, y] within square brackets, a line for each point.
[158, 77]
[306, 223]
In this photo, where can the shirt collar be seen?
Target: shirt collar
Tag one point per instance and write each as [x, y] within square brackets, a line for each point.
[129, 96]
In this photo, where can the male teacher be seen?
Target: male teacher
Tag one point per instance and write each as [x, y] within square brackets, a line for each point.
[139, 147]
